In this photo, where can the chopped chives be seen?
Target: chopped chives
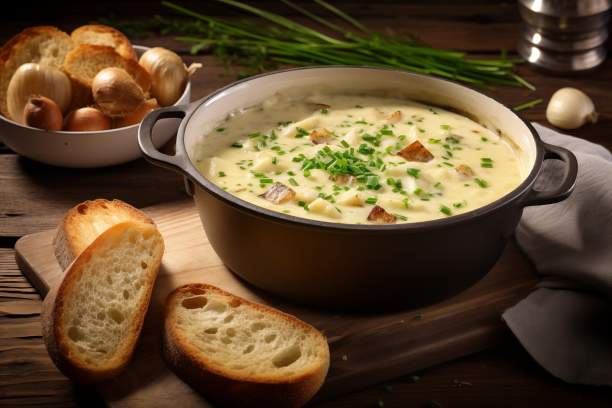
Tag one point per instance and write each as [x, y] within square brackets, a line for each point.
[413, 172]
[445, 127]
[220, 129]
[221, 174]
[371, 200]
[237, 145]
[482, 183]
[445, 210]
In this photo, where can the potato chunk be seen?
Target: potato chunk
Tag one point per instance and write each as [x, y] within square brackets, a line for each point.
[278, 193]
[416, 152]
[380, 216]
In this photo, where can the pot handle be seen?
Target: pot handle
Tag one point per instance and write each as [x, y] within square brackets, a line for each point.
[145, 138]
[570, 173]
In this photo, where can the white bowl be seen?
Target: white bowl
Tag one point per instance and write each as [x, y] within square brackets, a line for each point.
[86, 149]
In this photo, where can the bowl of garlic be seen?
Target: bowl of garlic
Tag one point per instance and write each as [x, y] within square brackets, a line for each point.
[77, 100]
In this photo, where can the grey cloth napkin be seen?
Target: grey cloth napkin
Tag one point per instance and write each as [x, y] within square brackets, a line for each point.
[566, 323]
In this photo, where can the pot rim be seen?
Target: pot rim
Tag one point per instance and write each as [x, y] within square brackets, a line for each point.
[506, 200]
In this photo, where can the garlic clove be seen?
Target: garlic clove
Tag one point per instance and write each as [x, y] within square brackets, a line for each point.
[116, 93]
[137, 115]
[570, 108]
[87, 119]
[168, 73]
[41, 112]
[34, 79]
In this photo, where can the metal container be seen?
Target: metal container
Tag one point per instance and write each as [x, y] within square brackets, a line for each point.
[564, 36]
[353, 266]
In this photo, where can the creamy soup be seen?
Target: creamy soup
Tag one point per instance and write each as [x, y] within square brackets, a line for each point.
[359, 159]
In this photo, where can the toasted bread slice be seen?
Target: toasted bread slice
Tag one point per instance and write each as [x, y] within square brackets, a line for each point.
[44, 45]
[92, 321]
[86, 60]
[83, 223]
[99, 34]
[239, 353]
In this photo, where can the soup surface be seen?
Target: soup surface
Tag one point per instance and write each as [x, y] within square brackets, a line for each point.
[358, 159]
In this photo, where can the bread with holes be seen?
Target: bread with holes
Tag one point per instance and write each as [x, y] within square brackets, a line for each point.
[239, 353]
[43, 44]
[92, 321]
[84, 62]
[83, 223]
[99, 34]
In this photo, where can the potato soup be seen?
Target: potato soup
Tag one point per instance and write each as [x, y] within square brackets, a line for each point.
[358, 159]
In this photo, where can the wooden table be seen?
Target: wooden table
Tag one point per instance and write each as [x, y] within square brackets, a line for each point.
[33, 197]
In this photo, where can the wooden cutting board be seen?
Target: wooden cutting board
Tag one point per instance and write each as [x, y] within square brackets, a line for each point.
[365, 349]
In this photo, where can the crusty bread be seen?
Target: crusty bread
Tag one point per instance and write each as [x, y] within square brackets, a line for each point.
[92, 321]
[44, 44]
[83, 223]
[239, 353]
[86, 60]
[99, 34]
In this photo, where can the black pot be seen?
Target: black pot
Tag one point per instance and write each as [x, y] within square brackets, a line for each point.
[356, 266]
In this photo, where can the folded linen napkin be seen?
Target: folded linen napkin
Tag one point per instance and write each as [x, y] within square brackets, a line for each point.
[566, 323]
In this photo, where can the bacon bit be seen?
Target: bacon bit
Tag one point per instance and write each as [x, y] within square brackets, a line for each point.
[394, 117]
[319, 136]
[464, 170]
[416, 152]
[278, 193]
[379, 215]
[342, 179]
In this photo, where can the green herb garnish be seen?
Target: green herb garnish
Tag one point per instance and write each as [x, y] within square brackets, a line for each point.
[371, 200]
[482, 183]
[445, 210]
[413, 172]
[221, 174]
[236, 145]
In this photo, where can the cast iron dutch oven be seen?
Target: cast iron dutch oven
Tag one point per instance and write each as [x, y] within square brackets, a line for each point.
[348, 266]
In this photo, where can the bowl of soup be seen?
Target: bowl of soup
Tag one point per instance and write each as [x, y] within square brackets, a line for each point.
[354, 187]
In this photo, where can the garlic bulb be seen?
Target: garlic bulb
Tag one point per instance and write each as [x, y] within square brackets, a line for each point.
[41, 112]
[87, 119]
[34, 79]
[168, 72]
[570, 108]
[137, 115]
[116, 93]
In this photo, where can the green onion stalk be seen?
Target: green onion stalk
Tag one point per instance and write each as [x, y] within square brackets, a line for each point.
[283, 41]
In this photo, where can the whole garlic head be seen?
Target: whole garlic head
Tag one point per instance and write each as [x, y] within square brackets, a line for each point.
[34, 79]
[168, 73]
[570, 108]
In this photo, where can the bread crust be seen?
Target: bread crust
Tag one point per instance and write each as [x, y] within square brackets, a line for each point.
[13, 48]
[227, 388]
[68, 244]
[60, 348]
[122, 45]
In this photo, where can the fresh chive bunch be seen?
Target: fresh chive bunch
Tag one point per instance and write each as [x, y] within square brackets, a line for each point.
[285, 42]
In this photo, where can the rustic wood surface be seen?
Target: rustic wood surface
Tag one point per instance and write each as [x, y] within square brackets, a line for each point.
[365, 349]
[33, 196]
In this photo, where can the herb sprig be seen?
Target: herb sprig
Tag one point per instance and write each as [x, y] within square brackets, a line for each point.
[284, 41]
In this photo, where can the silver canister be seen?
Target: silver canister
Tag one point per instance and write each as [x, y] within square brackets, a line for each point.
[564, 36]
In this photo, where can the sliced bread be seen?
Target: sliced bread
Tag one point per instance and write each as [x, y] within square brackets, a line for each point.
[84, 62]
[239, 353]
[44, 45]
[99, 34]
[83, 223]
[92, 321]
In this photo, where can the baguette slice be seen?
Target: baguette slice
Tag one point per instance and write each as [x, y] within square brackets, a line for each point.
[92, 321]
[44, 45]
[239, 353]
[86, 60]
[99, 34]
[83, 223]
